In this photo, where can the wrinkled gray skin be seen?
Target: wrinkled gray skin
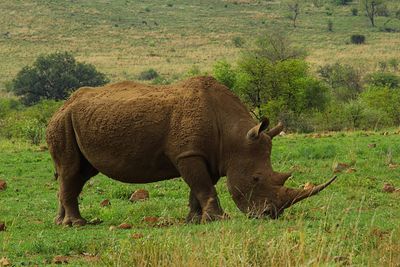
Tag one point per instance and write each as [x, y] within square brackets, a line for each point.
[197, 130]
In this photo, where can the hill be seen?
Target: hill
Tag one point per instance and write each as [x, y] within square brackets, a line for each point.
[123, 38]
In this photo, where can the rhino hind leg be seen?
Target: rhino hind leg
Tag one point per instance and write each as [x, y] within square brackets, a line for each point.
[72, 180]
[195, 173]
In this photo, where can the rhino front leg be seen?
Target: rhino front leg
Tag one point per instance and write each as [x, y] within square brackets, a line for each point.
[195, 212]
[194, 171]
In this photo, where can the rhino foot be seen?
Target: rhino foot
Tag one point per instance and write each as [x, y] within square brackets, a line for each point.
[207, 217]
[59, 219]
[193, 217]
[74, 221]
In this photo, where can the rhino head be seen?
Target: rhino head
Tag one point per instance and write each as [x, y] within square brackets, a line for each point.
[255, 188]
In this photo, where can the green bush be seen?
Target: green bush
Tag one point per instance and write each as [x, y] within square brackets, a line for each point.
[342, 2]
[354, 11]
[357, 39]
[224, 73]
[30, 122]
[344, 81]
[385, 100]
[383, 79]
[148, 75]
[54, 76]
[238, 41]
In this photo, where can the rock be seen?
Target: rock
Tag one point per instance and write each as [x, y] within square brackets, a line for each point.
[105, 203]
[339, 167]
[351, 170]
[3, 185]
[125, 226]
[60, 259]
[5, 262]
[139, 195]
[150, 219]
[388, 188]
[137, 235]
[2, 226]
[393, 166]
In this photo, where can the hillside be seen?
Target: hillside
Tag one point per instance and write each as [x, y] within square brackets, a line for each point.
[123, 38]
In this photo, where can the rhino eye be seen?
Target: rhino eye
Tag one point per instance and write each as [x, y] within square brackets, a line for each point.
[256, 179]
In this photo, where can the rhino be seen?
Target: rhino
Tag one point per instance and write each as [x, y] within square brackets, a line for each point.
[195, 129]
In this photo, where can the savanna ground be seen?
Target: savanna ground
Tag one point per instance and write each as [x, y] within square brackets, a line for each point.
[352, 222]
[123, 38]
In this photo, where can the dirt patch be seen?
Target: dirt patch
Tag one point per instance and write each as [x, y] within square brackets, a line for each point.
[139, 195]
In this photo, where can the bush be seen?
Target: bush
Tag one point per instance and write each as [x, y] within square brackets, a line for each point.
[330, 25]
[357, 39]
[224, 73]
[383, 79]
[238, 41]
[30, 122]
[354, 11]
[344, 81]
[341, 2]
[385, 100]
[54, 76]
[148, 75]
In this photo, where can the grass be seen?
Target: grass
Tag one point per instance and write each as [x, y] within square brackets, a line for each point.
[123, 38]
[352, 222]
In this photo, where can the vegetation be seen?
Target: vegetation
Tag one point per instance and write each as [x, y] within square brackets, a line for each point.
[54, 76]
[288, 75]
[353, 222]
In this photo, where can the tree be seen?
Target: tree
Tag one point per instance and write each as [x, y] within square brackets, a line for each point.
[294, 9]
[54, 76]
[371, 9]
[273, 78]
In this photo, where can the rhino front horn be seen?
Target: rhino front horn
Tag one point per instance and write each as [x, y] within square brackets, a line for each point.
[296, 195]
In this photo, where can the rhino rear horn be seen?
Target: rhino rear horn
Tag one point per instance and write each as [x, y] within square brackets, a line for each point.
[254, 132]
[276, 130]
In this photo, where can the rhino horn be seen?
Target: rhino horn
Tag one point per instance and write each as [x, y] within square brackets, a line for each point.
[295, 195]
[280, 178]
[276, 130]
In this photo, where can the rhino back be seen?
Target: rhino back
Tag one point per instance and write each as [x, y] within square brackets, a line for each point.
[137, 133]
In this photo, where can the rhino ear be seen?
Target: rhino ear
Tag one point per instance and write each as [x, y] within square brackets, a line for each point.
[254, 132]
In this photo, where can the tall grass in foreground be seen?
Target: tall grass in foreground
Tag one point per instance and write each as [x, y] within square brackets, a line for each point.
[334, 243]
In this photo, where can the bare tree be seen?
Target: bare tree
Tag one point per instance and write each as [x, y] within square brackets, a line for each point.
[371, 9]
[294, 9]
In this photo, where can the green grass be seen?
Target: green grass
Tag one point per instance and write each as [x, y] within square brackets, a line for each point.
[123, 38]
[351, 222]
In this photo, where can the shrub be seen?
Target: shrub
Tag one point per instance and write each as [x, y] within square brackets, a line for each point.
[357, 39]
[344, 81]
[330, 25]
[224, 73]
[238, 41]
[384, 79]
[385, 100]
[341, 2]
[30, 122]
[354, 11]
[54, 76]
[148, 75]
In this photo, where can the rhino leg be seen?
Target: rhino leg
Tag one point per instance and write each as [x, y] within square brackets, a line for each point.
[195, 212]
[73, 172]
[195, 173]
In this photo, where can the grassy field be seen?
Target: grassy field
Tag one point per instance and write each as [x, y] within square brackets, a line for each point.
[352, 222]
[123, 38]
